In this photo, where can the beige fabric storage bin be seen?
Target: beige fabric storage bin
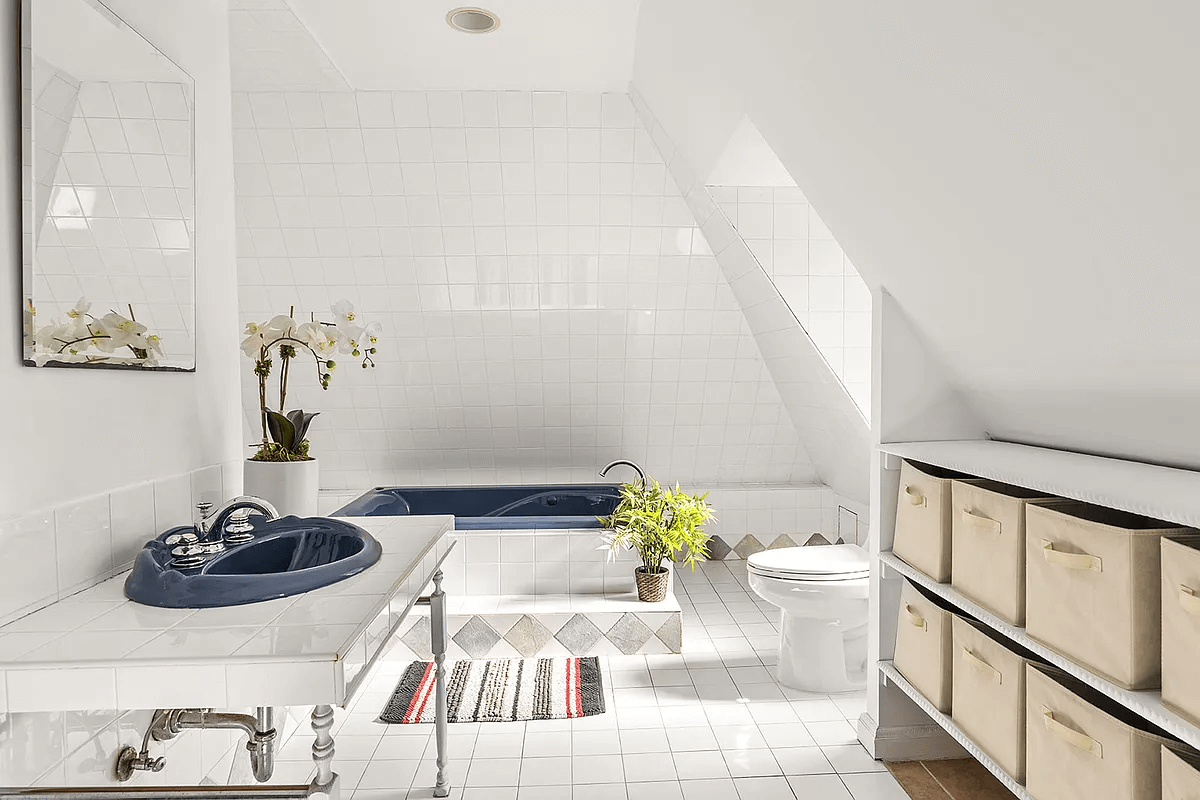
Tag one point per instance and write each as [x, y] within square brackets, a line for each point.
[1080, 746]
[1180, 775]
[988, 544]
[924, 642]
[1181, 625]
[922, 537]
[989, 694]
[1092, 588]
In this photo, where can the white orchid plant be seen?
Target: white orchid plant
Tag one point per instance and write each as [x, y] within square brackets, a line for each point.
[284, 435]
[87, 338]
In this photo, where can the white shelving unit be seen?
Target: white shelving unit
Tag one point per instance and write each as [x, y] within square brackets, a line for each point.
[889, 670]
[1159, 492]
[1147, 705]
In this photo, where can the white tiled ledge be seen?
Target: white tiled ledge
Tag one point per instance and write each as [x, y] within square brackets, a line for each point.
[97, 649]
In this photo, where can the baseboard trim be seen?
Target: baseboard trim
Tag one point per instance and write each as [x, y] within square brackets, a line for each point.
[907, 742]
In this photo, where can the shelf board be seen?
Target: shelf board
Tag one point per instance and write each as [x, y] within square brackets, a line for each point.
[947, 724]
[1154, 491]
[1146, 704]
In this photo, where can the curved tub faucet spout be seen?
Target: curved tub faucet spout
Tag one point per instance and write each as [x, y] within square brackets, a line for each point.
[621, 462]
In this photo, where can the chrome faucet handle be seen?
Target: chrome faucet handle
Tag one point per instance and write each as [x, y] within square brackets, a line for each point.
[238, 529]
[203, 510]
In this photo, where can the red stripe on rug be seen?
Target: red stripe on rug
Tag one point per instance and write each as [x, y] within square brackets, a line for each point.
[421, 695]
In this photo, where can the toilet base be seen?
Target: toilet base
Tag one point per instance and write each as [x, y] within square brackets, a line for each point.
[821, 655]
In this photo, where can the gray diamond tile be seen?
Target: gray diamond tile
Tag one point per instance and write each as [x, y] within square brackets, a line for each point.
[417, 639]
[748, 546]
[579, 635]
[477, 638]
[717, 548]
[528, 636]
[670, 633]
[816, 539]
[782, 540]
[629, 634]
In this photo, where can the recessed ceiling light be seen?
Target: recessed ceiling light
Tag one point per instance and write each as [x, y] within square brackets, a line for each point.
[473, 20]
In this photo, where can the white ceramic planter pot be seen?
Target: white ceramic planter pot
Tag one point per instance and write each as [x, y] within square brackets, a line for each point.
[290, 486]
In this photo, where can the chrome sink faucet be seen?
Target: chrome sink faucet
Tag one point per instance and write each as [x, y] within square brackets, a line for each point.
[208, 522]
[621, 462]
[211, 532]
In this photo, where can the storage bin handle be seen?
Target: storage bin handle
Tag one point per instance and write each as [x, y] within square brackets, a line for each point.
[981, 666]
[1071, 560]
[1071, 736]
[914, 618]
[980, 521]
[1188, 600]
[914, 496]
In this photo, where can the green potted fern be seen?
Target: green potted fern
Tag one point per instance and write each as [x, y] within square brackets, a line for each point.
[660, 524]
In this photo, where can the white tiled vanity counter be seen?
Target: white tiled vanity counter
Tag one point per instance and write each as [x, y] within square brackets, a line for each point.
[97, 649]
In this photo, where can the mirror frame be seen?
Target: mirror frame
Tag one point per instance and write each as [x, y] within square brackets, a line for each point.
[29, 247]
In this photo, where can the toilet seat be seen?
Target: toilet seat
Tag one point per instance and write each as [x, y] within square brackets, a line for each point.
[817, 564]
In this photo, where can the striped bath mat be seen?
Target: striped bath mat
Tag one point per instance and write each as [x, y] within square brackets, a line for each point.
[501, 690]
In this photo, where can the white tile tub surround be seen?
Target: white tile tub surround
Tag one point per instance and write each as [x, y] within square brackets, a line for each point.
[97, 649]
[51, 554]
[811, 272]
[548, 302]
[835, 433]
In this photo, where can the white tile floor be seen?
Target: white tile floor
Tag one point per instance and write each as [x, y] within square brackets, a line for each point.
[710, 724]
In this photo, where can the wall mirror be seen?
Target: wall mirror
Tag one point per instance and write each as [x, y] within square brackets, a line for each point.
[108, 252]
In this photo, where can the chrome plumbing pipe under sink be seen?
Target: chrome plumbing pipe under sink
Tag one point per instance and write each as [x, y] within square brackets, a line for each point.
[166, 724]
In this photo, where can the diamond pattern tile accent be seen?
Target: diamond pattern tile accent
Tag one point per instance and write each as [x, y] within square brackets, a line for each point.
[748, 546]
[671, 633]
[816, 539]
[528, 636]
[717, 548]
[629, 634]
[782, 540]
[417, 639]
[477, 638]
[578, 635]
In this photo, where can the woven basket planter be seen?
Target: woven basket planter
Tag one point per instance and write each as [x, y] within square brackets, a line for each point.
[651, 586]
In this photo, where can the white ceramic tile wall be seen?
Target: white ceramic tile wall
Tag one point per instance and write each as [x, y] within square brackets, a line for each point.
[813, 274]
[56, 552]
[270, 49]
[547, 299]
[119, 216]
[834, 431]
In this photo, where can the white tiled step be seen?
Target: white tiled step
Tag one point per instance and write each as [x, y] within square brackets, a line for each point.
[488, 626]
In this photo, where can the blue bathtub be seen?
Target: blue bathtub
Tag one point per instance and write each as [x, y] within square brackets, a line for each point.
[478, 508]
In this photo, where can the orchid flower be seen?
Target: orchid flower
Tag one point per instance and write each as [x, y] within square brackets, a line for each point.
[123, 331]
[80, 310]
[253, 344]
[344, 311]
[372, 332]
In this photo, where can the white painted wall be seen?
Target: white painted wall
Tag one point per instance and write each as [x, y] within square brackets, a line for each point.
[72, 433]
[93, 461]
[1022, 185]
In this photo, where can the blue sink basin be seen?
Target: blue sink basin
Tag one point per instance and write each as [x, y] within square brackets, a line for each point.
[287, 556]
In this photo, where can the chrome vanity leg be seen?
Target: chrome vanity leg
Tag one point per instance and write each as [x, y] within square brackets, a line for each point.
[437, 624]
[325, 783]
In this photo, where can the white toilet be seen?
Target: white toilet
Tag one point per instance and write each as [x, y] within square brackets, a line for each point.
[822, 592]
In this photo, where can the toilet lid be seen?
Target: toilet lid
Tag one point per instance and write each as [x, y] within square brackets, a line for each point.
[837, 562]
